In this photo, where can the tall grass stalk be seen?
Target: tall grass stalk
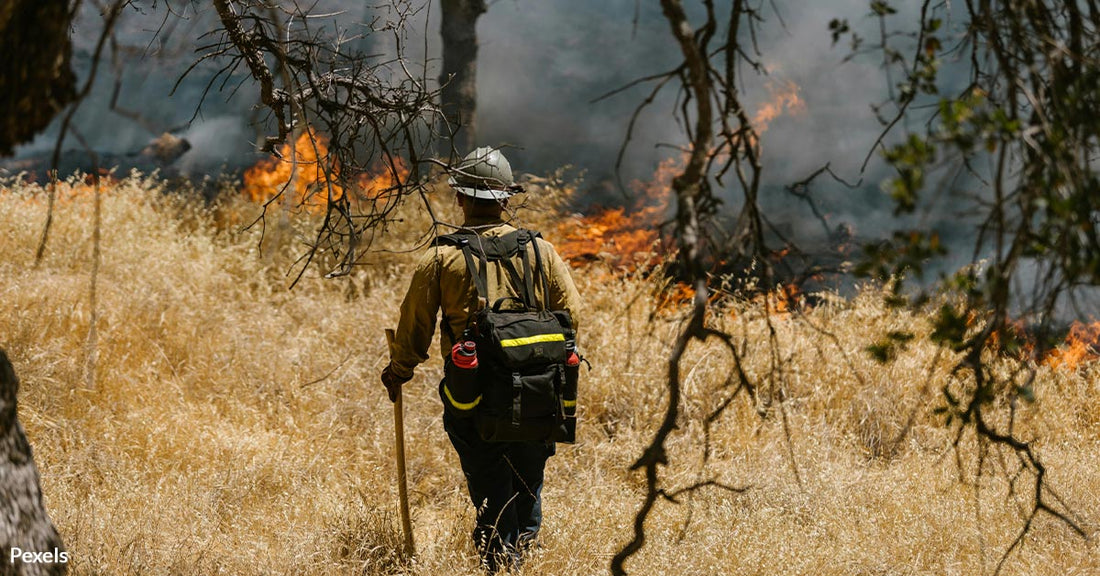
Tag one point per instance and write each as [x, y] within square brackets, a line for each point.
[238, 428]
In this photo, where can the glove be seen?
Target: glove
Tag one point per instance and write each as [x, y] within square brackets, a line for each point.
[393, 382]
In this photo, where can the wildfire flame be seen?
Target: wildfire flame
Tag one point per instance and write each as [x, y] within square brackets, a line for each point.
[782, 301]
[76, 190]
[675, 296]
[315, 174]
[785, 298]
[626, 236]
[1082, 345]
[783, 97]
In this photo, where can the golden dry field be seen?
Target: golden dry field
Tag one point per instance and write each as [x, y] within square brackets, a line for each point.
[230, 426]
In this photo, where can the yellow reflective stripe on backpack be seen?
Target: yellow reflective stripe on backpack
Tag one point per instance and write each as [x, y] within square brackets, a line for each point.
[460, 405]
[513, 342]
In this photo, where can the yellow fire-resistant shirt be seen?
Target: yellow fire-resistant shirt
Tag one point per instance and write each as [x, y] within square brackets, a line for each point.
[441, 280]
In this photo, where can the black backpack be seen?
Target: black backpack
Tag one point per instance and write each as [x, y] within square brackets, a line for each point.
[524, 388]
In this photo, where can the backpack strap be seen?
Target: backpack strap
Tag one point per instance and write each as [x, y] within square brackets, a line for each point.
[500, 250]
[539, 270]
[525, 294]
[477, 273]
[528, 285]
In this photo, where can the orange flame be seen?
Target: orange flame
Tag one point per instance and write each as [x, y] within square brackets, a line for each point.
[1082, 345]
[783, 97]
[315, 174]
[782, 301]
[71, 192]
[627, 237]
[785, 298]
[675, 296]
[386, 178]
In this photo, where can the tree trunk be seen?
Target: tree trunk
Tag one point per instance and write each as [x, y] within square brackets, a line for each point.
[24, 523]
[459, 77]
[36, 76]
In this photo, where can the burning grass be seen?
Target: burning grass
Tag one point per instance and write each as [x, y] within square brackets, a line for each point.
[238, 428]
[625, 237]
[310, 177]
[1081, 347]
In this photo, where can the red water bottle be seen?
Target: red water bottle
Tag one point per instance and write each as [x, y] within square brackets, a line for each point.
[568, 429]
[460, 388]
[464, 355]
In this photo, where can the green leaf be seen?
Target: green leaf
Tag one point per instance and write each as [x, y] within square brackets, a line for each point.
[882, 8]
[931, 46]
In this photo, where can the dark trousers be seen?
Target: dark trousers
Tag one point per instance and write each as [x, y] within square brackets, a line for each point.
[505, 484]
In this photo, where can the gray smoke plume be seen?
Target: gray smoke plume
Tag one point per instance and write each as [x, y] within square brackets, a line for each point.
[541, 66]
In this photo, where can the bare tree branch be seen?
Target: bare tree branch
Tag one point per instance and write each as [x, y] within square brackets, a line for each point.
[717, 127]
[109, 20]
[360, 114]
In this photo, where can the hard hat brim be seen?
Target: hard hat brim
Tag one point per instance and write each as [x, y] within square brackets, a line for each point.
[482, 193]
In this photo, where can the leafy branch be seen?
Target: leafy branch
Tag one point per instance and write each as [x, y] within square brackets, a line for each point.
[1026, 113]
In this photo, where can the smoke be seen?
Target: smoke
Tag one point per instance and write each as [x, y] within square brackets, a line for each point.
[542, 65]
[135, 96]
[217, 141]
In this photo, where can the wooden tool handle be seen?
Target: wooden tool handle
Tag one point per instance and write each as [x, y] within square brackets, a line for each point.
[399, 449]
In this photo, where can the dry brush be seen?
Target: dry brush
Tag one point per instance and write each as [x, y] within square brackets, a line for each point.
[238, 427]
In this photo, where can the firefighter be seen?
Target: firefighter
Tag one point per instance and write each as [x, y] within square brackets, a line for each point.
[504, 479]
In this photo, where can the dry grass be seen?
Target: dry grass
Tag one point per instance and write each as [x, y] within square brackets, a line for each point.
[237, 428]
